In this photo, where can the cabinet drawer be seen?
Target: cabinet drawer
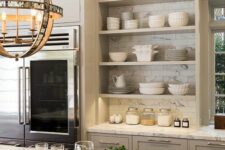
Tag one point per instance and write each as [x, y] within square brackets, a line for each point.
[206, 145]
[155, 143]
[103, 141]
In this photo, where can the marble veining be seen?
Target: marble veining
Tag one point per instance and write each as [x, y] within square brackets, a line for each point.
[202, 133]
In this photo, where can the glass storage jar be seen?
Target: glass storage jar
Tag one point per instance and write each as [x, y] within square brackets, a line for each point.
[148, 117]
[132, 116]
[165, 117]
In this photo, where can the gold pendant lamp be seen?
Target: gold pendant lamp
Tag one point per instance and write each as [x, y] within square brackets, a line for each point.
[41, 19]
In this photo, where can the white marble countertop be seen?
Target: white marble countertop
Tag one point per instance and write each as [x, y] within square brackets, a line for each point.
[3, 147]
[204, 133]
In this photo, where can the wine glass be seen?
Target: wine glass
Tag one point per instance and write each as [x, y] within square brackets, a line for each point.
[84, 145]
[41, 146]
[57, 147]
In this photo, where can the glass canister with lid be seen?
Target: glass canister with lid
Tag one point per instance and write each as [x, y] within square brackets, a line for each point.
[165, 117]
[148, 117]
[132, 116]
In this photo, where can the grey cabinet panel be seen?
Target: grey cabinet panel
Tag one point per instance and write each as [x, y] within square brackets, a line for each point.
[154, 143]
[71, 11]
[103, 141]
[206, 145]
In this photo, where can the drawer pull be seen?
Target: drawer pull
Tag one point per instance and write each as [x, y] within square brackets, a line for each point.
[216, 144]
[160, 141]
[112, 143]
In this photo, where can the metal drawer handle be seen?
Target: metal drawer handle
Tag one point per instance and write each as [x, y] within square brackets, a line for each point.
[113, 143]
[160, 141]
[215, 144]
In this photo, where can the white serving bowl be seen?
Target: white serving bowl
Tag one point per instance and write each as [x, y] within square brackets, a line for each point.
[178, 86]
[152, 85]
[156, 21]
[118, 56]
[178, 19]
[152, 91]
[178, 91]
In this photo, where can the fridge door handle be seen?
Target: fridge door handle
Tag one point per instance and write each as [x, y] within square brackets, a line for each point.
[27, 96]
[21, 120]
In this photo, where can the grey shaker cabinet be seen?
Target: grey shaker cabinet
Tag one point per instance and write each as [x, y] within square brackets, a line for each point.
[71, 11]
[206, 145]
[103, 141]
[155, 143]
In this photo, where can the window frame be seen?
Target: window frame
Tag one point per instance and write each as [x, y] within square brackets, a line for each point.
[215, 27]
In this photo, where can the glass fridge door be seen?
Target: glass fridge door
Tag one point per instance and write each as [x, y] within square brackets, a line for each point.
[51, 97]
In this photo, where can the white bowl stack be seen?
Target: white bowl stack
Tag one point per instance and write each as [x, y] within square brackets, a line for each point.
[178, 89]
[178, 19]
[154, 88]
[156, 21]
[126, 16]
[113, 23]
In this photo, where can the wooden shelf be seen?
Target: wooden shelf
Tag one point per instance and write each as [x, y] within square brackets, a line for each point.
[147, 63]
[113, 3]
[139, 96]
[185, 29]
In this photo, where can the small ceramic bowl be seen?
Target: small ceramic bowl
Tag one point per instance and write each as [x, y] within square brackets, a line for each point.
[118, 56]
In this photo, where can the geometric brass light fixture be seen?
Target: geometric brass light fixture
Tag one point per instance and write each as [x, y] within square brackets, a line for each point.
[41, 19]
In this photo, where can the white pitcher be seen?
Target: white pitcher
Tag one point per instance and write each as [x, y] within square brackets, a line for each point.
[119, 81]
[145, 52]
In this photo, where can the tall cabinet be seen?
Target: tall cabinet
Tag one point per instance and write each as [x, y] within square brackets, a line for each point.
[157, 70]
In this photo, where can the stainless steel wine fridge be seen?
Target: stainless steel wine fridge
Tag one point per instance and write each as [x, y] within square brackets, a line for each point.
[39, 95]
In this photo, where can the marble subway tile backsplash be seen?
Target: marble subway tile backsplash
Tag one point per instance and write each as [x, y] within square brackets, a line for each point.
[180, 107]
[168, 74]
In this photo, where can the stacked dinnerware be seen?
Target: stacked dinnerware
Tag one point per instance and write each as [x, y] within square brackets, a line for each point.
[178, 19]
[156, 21]
[130, 24]
[113, 23]
[125, 90]
[154, 88]
[178, 89]
[142, 18]
[176, 55]
[126, 16]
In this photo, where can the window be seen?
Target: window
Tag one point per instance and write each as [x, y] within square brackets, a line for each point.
[219, 62]
[219, 52]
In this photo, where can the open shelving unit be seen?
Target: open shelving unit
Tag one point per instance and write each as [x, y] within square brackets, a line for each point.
[104, 37]
[143, 31]
[147, 63]
[113, 3]
[140, 96]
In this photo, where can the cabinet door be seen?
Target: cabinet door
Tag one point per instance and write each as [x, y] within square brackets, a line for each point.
[12, 101]
[206, 145]
[71, 11]
[154, 143]
[103, 141]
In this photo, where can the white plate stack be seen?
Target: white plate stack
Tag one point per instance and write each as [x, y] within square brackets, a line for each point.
[178, 89]
[154, 88]
[176, 55]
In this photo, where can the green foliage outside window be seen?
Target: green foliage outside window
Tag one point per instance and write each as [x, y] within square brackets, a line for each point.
[220, 68]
